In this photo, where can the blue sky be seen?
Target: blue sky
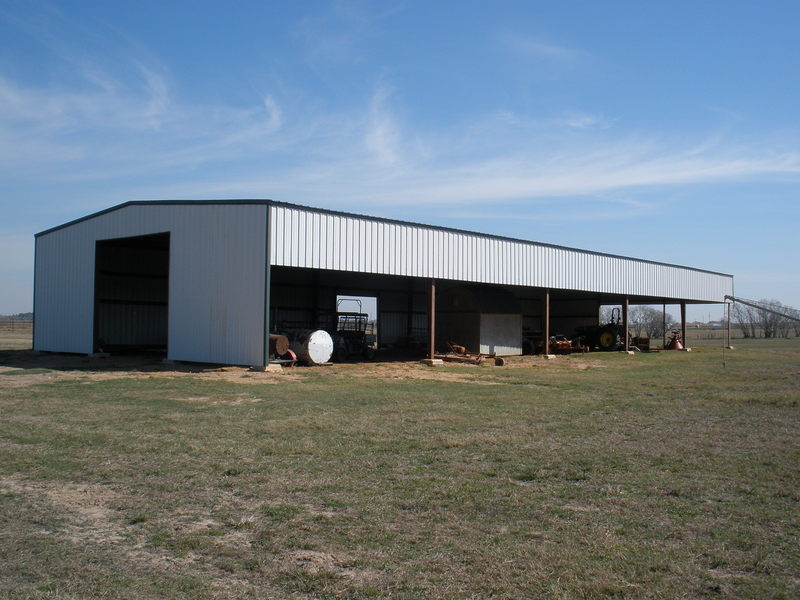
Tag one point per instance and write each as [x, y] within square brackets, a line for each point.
[668, 131]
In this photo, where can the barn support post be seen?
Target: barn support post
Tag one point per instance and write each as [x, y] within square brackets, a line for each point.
[267, 289]
[664, 325]
[683, 323]
[410, 310]
[547, 322]
[431, 318]
[728, 309]
[315, 299]
[625, 306]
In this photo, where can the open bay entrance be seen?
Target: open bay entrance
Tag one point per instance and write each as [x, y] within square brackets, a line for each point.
[131, 293]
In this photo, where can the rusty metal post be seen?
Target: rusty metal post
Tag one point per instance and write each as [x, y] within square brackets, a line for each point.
[683, 324]
[625, 304]
[431, 318]
[547, 322]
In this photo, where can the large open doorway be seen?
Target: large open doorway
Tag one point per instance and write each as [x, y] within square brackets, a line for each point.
[356, 331]
[131, 294]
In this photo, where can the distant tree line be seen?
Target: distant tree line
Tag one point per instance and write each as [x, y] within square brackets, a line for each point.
[754, 322]
[27, 316]
[643, 321]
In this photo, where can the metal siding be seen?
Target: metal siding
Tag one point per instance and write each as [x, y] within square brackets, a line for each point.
[410, 250]
[64, 274]
[216, 283]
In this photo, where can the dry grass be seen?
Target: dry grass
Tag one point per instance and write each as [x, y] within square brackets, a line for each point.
[15, 340]
[667, 475]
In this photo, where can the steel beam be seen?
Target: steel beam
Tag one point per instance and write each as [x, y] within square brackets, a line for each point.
[728, 308]
[625, 305]
[683, 324]
[547, 322]
[431, 318]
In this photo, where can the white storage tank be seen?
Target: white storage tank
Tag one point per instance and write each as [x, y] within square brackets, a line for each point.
[312, 347]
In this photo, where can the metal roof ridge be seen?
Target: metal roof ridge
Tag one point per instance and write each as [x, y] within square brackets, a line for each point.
[329, 211]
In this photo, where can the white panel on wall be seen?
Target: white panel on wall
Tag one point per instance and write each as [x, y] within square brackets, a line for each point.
[501, 334]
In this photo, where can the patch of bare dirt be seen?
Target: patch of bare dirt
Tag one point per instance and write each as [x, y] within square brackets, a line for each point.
[237, 401]
[313, 562]
[201, 525]
[414, 370]
[87, 505]
[84, 369]
[66, 367]
[92, 521]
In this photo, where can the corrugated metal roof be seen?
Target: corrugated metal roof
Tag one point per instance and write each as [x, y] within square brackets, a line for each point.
[331, 240]
[368, 218]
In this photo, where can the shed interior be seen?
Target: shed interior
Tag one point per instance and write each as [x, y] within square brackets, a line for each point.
[485, 318]
[131, 293]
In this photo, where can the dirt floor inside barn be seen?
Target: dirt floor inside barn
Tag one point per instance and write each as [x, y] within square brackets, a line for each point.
[666, 475]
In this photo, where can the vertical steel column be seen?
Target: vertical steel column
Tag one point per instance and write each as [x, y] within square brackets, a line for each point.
[267, 286]
[728, 307]
[547, 322]
[683, 324]
[664, 326]
[431, 318]
[625, 304]
[35, 272]
[315, 299]
[410, 312]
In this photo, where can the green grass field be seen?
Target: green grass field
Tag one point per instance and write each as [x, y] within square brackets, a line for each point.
[669, 475]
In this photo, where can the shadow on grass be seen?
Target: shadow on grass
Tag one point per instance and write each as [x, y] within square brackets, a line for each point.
[35, 362]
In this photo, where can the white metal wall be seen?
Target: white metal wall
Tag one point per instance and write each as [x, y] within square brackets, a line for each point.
[318, 240]
[216, 281]
[501, 334]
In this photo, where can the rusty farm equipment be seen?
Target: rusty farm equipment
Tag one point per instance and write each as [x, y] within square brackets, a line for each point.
[459, 353]
[352, 337]
[675, 341]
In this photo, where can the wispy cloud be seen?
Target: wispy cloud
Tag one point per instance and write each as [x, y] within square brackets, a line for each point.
[539, 48]
[570, 118]
[362, 156]
[157, 94]
[578, 120]
[381, 136]
[130, 130]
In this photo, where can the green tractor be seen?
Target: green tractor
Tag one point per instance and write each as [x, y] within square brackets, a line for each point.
[606, 337]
